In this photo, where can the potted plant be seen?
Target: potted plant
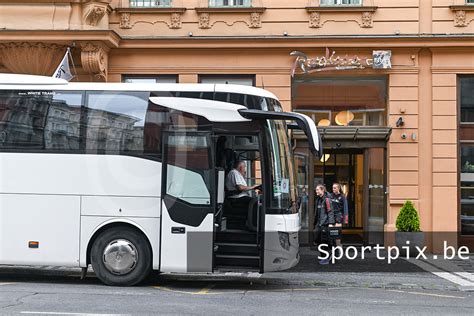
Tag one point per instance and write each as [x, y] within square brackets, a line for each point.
[408, 230]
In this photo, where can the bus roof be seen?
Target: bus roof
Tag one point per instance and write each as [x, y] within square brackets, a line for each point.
[31, 82]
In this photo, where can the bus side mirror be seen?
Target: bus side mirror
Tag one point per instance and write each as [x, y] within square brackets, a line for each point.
[220, 186]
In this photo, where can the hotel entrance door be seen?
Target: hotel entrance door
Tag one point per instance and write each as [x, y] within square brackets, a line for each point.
[361, 173]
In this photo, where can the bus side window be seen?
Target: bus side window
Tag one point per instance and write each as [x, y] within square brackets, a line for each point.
[189, 169]
[115, 122]
[22, 118]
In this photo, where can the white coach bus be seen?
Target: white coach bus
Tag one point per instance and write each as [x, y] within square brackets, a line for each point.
[130, 177]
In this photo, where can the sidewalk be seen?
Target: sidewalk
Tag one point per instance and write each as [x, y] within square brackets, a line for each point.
[358, 273]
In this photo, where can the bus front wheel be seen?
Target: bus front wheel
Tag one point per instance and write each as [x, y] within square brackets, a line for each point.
[121, 256]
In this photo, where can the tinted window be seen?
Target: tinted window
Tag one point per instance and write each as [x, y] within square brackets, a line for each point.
[40, 120]
[63, 122]
[467, 99]
[115, 121]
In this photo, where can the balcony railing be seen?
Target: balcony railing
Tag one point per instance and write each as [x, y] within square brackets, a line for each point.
[150, 3]
[230, 3]
[340, 2]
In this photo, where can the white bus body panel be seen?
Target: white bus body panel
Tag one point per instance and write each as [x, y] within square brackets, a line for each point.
[42, 198]
[79, 175]
[175, 247]
[276, 258]
[51, 220]
[120, 206]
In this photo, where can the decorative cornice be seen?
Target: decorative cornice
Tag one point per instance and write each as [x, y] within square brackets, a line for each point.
[366, 18]
[50, 1]
[230, 10]
[254, 21]
[341, 9]
[126, 16]
[34, 58]
[465, 7]
[151, 10]
[108, 37]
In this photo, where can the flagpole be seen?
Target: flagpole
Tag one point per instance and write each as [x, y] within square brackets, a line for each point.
[72, 61]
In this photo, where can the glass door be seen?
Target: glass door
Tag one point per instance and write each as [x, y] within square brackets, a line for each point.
[375, 189]
[187, 214]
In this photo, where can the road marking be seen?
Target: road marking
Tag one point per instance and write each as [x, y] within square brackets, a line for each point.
[466, 275]
[205, 290]
[64, 313]
[442, 274]
[428, 294]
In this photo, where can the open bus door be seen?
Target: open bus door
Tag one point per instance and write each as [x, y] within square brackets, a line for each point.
[187, 217]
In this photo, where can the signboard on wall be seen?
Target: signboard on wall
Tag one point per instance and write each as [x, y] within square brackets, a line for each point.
[381, 59]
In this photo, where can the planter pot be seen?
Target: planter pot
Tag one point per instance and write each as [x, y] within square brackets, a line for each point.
[415, 239]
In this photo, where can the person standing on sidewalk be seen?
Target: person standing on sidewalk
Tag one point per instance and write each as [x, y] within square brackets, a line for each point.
[324, 218]
[341, 209]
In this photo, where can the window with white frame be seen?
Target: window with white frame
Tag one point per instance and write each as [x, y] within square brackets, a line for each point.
[230, 3]
[149, 3]
[150, 79]
[245, 80]
[341, 2]
[470, 1]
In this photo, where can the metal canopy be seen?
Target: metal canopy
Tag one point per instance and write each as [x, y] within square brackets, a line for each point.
[350, 134]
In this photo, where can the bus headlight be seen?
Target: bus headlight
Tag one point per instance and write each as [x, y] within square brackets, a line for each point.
[284, 240]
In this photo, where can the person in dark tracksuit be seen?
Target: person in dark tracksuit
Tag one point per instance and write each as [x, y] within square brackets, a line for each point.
[324, 218]
[341, 209]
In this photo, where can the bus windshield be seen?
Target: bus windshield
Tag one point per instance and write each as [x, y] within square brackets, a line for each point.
[283, 194]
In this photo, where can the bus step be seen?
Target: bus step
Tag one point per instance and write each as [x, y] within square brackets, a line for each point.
[236, 236]
[237, 249]
[237, 260]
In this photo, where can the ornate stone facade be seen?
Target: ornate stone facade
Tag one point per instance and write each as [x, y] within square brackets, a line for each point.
[315, 20]
[93, 12]
[94, 60]
[175, 20]
[34, 58]
[125, 21]
[460, 18]
[367, 20]
[255, 20]
[204, 21]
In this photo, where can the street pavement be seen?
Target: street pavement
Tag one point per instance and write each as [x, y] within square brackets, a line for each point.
[348, 287]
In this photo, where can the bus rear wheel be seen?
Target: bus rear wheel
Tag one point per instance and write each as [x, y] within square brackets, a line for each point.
[121, 257]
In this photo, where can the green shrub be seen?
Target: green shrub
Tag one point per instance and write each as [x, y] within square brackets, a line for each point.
[408, 219]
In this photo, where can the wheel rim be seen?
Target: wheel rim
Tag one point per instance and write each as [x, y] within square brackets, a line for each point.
[120, 256]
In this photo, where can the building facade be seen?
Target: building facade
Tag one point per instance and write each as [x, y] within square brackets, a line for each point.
[389, 82]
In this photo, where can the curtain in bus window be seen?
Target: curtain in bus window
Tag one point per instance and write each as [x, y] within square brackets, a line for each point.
[22, 118]
[115, 122]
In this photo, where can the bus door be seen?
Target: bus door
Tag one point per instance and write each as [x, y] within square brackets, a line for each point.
[188, 202]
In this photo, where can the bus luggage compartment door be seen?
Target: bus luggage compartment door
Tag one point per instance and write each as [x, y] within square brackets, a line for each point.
[187, 213]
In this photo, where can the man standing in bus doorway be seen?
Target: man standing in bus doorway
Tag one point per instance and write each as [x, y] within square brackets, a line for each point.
[324, 218]
[341, 209]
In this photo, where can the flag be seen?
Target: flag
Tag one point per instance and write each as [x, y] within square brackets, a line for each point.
[63, 71]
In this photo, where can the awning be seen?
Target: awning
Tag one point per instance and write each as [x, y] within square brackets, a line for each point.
[350, 133]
